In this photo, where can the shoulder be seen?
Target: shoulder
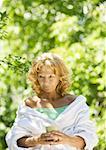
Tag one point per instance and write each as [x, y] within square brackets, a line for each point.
[77, 100]
[70, 97]
[79, 104]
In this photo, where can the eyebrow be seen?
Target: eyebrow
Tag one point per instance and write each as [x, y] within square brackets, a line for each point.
[44, 74]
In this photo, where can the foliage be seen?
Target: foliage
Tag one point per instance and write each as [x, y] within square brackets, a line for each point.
[73, 29]
[3, 21]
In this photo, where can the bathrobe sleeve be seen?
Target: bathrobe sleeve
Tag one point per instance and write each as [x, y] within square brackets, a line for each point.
[23, 126]
[85, 128]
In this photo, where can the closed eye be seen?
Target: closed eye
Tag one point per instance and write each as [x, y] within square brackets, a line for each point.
[41, 76]
[51, 76]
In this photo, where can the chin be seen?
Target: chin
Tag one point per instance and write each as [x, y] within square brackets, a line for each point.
[47, 90]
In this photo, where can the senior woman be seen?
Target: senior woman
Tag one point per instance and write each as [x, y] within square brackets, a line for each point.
[53, 119]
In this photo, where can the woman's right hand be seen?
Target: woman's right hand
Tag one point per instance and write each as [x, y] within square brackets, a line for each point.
[36, 102]
[33, 102]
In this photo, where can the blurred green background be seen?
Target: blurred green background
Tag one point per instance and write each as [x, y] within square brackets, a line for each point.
[74, 29]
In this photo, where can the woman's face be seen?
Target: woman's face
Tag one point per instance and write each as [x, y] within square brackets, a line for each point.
[47, 79]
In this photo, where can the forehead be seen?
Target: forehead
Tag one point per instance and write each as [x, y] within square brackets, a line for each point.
[46, 70]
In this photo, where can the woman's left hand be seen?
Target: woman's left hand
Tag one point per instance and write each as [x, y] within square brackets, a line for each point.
[55, 137]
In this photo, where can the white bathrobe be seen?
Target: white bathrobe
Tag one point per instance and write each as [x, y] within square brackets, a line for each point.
[74, 120]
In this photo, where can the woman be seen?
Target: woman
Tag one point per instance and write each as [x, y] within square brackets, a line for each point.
[53, 119]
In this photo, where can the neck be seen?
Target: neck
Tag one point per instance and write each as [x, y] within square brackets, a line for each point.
[50, 96]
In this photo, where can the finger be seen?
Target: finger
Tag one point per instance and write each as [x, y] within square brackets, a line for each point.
[45, 141]
[47, 133]
[53, 134]
[36, 99]
[46, 136]
[29, 103]
[50, 137]
[57, 133]
[57, 137]
[50, 142]
[45, 100]
[55, 142]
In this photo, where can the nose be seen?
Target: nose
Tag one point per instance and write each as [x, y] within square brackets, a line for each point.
[45, 80]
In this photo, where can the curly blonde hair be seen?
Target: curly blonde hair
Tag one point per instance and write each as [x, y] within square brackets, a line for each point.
[54, 62]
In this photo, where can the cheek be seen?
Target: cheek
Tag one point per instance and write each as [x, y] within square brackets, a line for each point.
[40, 82]
[55, 83]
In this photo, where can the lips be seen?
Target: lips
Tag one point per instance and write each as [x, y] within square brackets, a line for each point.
[46, 87]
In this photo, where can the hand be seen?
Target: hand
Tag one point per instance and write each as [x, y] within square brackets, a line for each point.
[33, 102]
[53, 138]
